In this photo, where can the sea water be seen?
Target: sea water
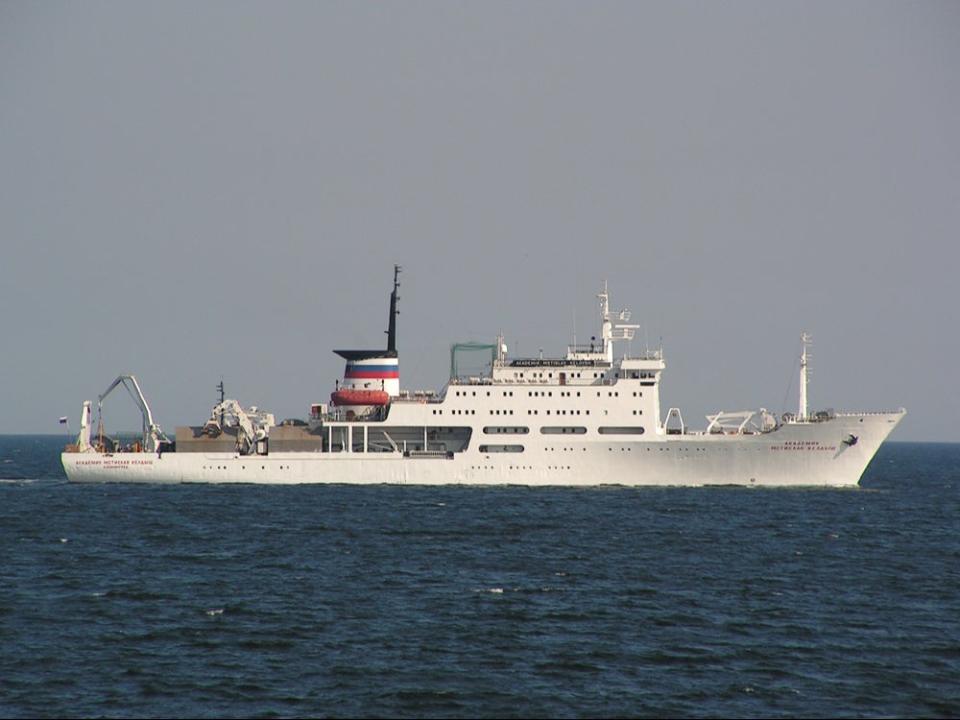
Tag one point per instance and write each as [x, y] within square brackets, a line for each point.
[200, 601]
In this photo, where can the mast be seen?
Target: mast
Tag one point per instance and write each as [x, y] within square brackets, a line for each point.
[371, 370]
[606, 326]
[805, 340]
[222, 398]
[392, 327]
[614, 326]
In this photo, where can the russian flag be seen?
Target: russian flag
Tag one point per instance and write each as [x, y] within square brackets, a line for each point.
[63, 420]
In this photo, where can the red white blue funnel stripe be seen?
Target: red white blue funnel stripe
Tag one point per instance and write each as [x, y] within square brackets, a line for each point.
[373, 373]
[378, 369]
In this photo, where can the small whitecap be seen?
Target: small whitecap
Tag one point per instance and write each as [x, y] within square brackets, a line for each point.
[560, 574]
[214, 612]
[63, 540]
[496, 591]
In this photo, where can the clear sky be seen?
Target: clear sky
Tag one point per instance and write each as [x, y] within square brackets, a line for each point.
[197, 189]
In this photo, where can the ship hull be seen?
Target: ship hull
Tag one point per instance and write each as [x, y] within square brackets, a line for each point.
[833, 453]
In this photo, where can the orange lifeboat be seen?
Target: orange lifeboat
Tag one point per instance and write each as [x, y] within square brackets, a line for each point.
[359, 397]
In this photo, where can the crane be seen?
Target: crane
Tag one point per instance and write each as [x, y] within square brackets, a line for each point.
[152, 434]
[253, 425]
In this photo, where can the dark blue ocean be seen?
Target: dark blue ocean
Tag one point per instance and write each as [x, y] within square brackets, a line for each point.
[201, 601]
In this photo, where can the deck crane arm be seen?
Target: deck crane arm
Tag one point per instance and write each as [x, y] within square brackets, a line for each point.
[253, 426]
[152, 434]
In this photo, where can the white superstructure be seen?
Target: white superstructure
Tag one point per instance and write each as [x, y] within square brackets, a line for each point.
[591, 417]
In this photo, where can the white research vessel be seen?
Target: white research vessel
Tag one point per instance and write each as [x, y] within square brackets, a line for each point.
[592, 417]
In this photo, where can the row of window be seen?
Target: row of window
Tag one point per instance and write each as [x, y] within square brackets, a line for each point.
[562, 430]
[560, 412]
[546, 393]
[519, 467]
[487, 449]
[529, 412]
[550, 374]
[501, 448]
[473, 393]
[533, 393]
[632, 374]
[244, 467]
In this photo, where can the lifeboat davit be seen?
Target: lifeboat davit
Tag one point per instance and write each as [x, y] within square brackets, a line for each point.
[346, 397]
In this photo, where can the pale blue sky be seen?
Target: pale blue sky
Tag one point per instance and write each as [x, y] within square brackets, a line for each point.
[195, 189]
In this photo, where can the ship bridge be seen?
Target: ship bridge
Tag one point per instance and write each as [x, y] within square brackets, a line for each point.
[588, 363]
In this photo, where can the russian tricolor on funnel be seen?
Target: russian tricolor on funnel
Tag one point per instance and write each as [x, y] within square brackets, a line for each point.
[376, 369]
[377, 373]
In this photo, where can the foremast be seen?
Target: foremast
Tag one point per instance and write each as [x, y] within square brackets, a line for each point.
[802, 412]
